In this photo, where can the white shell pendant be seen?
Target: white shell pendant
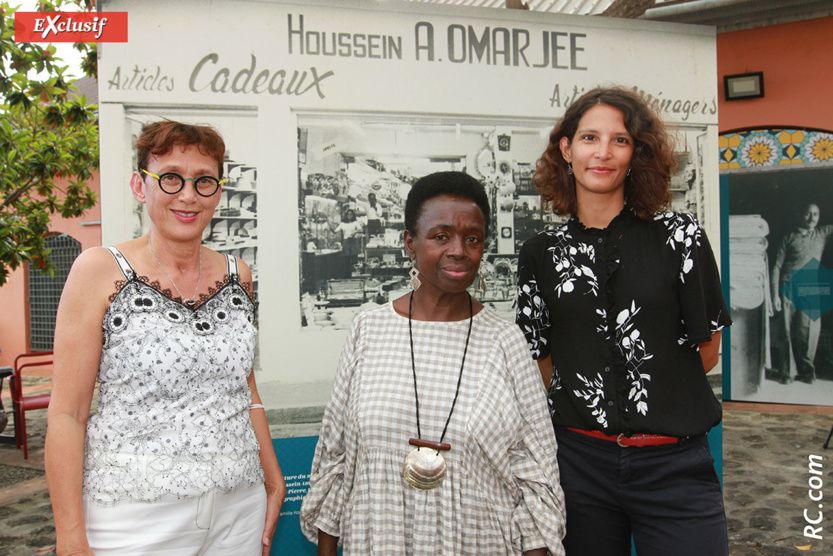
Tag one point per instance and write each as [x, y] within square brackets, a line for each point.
[424, 468]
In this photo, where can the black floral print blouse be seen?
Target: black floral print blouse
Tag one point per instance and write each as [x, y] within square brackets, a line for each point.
[622, 311]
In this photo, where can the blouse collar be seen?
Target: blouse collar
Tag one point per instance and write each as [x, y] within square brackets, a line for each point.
[623, 216]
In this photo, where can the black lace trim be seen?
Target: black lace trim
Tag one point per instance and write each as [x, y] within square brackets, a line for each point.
[203, 297]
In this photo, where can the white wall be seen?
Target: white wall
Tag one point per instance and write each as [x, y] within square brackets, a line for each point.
[184, 60]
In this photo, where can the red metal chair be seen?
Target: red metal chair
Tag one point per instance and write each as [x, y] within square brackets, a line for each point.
[21, 404]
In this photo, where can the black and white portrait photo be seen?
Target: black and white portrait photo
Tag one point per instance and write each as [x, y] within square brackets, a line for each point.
[781, 277]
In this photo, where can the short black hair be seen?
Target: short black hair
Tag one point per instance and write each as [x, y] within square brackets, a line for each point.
[433, 185]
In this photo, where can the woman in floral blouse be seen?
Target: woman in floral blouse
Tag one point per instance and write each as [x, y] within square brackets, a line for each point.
[623, 311]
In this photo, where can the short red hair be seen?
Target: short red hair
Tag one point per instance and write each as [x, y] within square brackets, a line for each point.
[160, 138]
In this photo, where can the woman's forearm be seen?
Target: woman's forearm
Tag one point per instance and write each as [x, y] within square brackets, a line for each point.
[327, 544]
[710, 351]
[545, 366]
[64, 462]
[273, 477]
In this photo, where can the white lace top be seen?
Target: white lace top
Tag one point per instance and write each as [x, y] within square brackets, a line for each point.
[173, 418]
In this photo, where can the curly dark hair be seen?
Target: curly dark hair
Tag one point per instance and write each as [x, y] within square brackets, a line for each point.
[433, 185]
[653, 161]
[158, 138]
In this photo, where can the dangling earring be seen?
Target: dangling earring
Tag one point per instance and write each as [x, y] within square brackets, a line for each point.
[415, 283]
[570, 168]
[482, 280]
[629, 173]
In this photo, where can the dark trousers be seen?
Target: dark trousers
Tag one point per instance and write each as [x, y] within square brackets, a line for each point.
[668, 497]
[803, 333]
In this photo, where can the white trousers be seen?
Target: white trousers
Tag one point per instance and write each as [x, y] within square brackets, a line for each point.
[215, 524]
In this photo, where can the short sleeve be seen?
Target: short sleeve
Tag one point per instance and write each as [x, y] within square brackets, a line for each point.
[532, 315]
[323, 504]
[702, 305]
[539, 518]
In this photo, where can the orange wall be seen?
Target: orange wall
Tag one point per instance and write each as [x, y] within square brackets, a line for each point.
[13, 301]
[798, 76]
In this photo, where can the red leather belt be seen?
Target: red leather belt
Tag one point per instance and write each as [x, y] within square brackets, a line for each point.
[633, 441]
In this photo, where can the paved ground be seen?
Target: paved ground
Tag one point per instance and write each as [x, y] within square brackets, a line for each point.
[767, 479]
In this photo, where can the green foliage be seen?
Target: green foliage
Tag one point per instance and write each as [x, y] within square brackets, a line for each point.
[47, 134]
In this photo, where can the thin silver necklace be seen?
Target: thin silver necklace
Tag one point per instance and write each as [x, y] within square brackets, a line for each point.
[190, 302]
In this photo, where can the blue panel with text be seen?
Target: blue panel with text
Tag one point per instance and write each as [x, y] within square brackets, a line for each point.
[295, 457]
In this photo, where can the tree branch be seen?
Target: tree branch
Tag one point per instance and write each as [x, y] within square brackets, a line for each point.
[15, 195]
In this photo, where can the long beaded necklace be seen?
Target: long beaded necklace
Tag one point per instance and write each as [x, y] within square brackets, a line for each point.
[426, 469]
[190, 302]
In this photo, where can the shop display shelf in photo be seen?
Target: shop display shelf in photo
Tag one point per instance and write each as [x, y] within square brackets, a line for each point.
[233, 230]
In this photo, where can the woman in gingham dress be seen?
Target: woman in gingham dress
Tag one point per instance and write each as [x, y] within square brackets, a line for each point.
[437, 438]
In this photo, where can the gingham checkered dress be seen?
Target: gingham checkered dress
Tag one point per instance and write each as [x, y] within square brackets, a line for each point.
[501, 494]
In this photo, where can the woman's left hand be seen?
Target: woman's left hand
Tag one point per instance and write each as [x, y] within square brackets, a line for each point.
[274, 501]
